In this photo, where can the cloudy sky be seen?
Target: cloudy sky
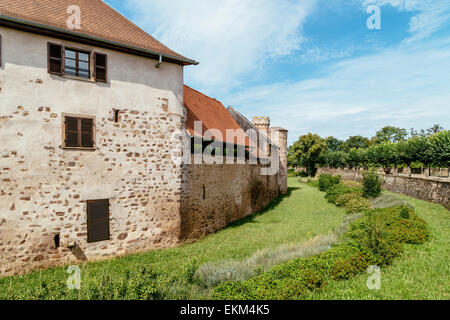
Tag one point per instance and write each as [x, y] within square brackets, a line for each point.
[312, 65]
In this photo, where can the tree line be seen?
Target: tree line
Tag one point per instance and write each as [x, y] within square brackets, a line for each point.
[391, 147]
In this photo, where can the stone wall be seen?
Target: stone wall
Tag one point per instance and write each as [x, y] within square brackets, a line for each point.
[154, 203]
[428, 189]
[44, 187]
[216, 195]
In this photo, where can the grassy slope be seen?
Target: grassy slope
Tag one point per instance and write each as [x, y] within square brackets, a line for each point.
[301, 216]
[423, 272]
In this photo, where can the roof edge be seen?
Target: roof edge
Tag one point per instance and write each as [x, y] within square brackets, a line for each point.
[11, 21]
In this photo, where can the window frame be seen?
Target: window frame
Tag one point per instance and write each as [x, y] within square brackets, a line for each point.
[93, 133]
[77, 61]
[49, 58]
[91, 64]
[90, 233]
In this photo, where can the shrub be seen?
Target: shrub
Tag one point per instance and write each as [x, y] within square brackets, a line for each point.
[374, 239]
[338, 190]
[313, 183]
[371, 184]
[342, 200]
[327, 181]
[357, 205]
[404, 212]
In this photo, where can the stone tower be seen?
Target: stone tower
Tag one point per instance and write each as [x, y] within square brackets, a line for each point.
[278, 136]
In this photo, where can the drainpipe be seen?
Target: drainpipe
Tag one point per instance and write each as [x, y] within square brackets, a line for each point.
[159, 62]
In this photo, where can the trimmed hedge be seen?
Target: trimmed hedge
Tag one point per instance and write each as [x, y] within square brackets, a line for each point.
[373, 240]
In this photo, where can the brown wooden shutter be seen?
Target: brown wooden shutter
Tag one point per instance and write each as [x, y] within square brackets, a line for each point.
[71, 132]
[98, 220]
[86, 127]
[100, 67]
[55, 59]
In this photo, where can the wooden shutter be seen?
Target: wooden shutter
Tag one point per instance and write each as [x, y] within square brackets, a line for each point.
[86, 133]
[71, 132]
[100, 67]
[98, 220]
[55, 59]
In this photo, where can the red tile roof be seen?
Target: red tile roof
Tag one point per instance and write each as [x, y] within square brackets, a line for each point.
[97, 20]
[211, 112]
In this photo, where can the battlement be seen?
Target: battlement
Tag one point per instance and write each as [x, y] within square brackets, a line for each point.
[261, 122]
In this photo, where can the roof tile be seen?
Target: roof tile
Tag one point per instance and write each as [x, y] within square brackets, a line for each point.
[97, 20]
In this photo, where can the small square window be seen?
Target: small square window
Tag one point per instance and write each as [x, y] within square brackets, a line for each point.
[79, 132]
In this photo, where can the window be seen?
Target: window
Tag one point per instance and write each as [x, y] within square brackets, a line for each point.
[77, 63]
[100, 62]
[98, 220]
[116, 115]
[79, 132]
[55, 55]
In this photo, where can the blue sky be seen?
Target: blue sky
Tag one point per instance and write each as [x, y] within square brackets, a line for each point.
[312, 65]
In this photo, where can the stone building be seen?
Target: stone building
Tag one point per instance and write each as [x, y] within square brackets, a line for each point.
[87, 119]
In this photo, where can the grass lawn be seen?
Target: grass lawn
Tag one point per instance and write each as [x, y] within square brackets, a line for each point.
[422, 273]
[296, 218]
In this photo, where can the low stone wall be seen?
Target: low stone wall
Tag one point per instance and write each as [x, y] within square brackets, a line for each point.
[428, 189]
[217, 195]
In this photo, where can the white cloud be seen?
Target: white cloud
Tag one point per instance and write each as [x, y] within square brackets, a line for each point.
[407, 86]
[230, 38]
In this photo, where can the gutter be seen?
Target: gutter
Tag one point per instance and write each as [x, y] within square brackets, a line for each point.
[14, 22]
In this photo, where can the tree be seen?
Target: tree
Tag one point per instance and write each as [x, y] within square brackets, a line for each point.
[357, 142]
[384, 154]
[439, 145]
[406, 153]
[354, 158]
[335, 159]
[306, 152]
[333, 143]
[390, 134]
[434, 129]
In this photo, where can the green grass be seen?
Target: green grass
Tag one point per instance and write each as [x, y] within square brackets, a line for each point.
[300, 216]
[421, 273]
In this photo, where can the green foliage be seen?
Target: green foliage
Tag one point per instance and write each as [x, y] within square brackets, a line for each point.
[390, 134]
[326, 181]
[357, 205]
[372, 240]
[439, 145]
[404, 212]
[334, 159]
[371, 184]
[355, 142]
[333, 193]
[343, 199]
[190, 271]
[333, 144]
[313, 183]
[306, 152]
